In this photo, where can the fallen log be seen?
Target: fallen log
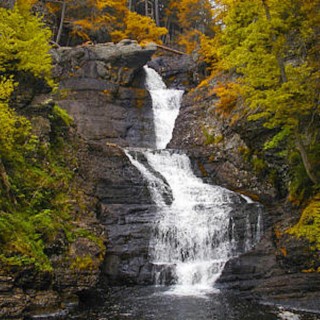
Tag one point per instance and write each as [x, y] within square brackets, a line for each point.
[160, 46]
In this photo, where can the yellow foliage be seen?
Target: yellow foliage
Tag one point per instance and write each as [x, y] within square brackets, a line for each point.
[309, 224]
[228, 93]
[24, 42]
[190, 40]
[140, 28]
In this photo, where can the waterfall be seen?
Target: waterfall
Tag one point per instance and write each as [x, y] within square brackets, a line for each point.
[195, 232]
[165, 104]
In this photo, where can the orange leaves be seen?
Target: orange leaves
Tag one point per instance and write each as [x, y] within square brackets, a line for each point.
[52, 7]
[228, 92]
[140, 28]
[190, 40]
[194, 14]
[84, 23]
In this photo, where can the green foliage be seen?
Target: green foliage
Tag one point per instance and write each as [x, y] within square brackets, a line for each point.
[36, 198]
[62, 114]
[275, 141]
[20, 242]
[36, 176]
[299, 187]
[37, 188]
[269, 51]
[24, 43]
[308, 226]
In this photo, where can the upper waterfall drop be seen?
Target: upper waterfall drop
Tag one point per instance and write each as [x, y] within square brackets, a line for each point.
[165, 104]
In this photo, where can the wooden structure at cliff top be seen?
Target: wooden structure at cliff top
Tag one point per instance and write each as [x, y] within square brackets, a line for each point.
[162, 47]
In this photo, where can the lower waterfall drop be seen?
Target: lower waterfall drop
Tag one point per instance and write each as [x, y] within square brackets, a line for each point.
[195, 234]
[199, 226]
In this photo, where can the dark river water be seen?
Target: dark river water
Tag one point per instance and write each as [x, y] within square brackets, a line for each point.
[156, 303]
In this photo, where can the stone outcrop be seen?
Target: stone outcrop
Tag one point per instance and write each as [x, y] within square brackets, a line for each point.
[179, 72]
[218, 153]
[102, 88]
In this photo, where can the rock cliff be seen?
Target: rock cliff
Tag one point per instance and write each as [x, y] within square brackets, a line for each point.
[102, 89]
[105, 94]
[224, 153]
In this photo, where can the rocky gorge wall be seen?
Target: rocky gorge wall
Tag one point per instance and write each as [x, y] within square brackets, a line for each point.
[105, 95]
[220, 153]
[102, 88]
[112, 108]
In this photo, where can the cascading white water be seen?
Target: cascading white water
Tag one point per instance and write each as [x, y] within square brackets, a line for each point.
[195, 233]
[165, 104]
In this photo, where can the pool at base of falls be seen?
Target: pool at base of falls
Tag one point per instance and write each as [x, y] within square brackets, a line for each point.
[156, 303]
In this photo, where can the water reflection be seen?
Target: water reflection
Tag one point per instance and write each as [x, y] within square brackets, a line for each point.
[155, 303]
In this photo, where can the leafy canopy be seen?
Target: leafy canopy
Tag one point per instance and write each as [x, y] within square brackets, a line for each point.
[271, 48]
[24, 42]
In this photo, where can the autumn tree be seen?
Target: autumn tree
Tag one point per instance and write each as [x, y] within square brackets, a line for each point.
[140, 28]
[271, 47]
[101, 21]
[87, 19]
[149, 8]
[20, 34]
[188, 20]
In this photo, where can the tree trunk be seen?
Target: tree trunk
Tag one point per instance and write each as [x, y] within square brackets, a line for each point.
[305, 159]
[156, 9]
[146, 9]
[170, 49]
[63, 13]
[130, 5]
[4, 178]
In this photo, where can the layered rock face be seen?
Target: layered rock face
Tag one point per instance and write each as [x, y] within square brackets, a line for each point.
[217, 151]
[127, 213]
[102, 87]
